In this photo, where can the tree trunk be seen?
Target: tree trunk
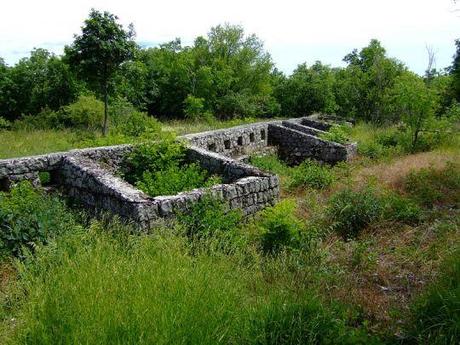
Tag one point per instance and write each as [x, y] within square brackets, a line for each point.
[106, 101]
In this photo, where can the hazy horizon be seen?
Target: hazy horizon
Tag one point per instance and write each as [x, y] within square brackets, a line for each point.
[293, 31]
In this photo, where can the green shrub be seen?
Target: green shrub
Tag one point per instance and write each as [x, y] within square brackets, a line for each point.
[279, 227]
[350, 212]
[175, 179]
[311, 174]
[156, 156]
[86, 112]
[430, 186]
[270, 163]
[194, 109]
[160, 168]
[436, 312]
[4, 124]
[209, 217]
[401, 209]
[388, 138]
[28, 217]
[337, 133]
[127, 120]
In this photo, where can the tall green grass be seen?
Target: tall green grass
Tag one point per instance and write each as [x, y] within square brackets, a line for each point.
[96, 288]
[436, 312]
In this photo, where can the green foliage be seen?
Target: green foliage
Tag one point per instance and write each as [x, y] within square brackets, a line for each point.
[401, 209]
[279, 227]
[362, 86]
[36, 82]
[271, 163]
[175, 179]
[195, 109]
[4, 124]
[99, 51]
[307, 90]
[430, 186]
[128, 121]
[226, 73]
[436, 313]
[455, 72]
[209, 217]
[416, 103]
[156, 156]
[337, 133]
[352, 211]
[160, 168]
[28, 218]
[87, 112]
[311, 174]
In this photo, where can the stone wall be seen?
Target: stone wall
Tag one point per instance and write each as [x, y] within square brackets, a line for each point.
[89, 176]
[88, 182]
[296, 146]
[235, 141]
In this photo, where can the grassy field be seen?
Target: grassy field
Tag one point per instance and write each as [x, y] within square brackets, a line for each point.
[26, 142]
[365, 252]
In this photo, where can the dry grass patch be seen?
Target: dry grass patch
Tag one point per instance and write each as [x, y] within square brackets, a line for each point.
[391, 173]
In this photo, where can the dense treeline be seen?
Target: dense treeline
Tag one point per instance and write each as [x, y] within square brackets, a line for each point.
[226, 74]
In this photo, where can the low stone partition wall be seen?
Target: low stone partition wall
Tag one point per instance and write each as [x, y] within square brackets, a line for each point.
[295, 146]
[234, 141]
[302, 128]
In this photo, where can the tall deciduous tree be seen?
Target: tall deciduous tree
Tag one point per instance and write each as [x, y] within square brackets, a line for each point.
[99, 52]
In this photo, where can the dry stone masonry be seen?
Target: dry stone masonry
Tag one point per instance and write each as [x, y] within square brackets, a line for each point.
[89, 176]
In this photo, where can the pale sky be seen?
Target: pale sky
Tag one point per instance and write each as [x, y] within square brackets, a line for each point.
[293, 31]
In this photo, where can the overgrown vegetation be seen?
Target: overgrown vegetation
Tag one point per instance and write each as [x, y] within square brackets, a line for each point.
[161, 168]
[360, 253]
[277, 278]
[29, 218]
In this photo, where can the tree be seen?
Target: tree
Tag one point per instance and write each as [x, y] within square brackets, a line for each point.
[415, 102]
[40, 81]
[99, 52]
[455, 71]
[365, 80]
[308, 90]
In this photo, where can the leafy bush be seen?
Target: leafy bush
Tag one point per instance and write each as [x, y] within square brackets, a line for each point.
[155, 156]
[175, 179]
[388, 138]
[160, 168]
[28, 217]
[350, 211]
[279, 227]
[128, 121]
[86, 112]
[4, 123]
[194, 109]
[430, 186]
[337, 133]
[401, 209]
[311, 174]
[209, 217]
[436, 312]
